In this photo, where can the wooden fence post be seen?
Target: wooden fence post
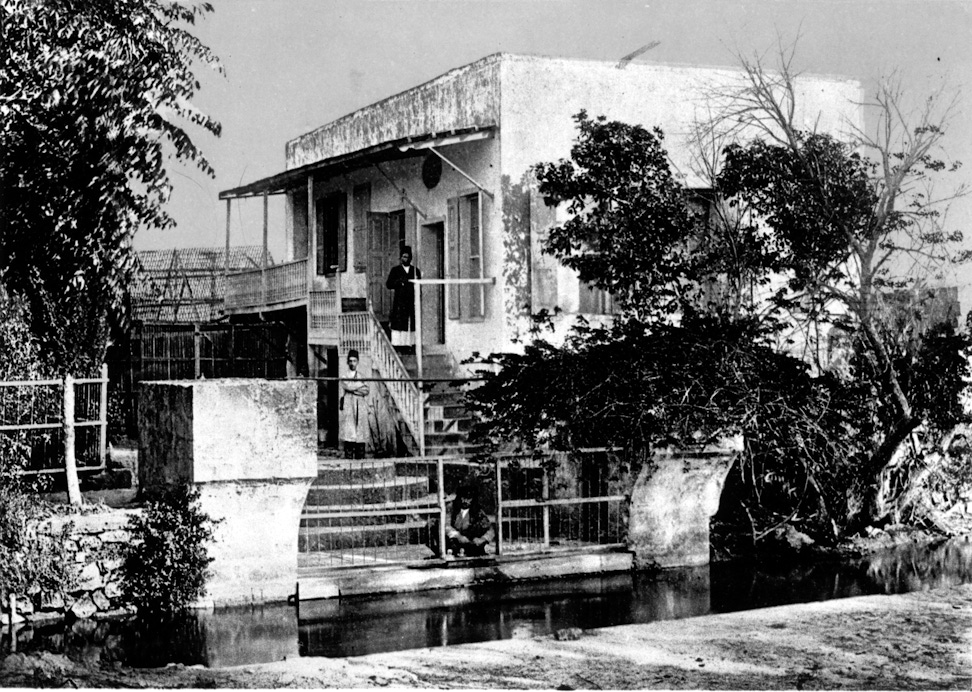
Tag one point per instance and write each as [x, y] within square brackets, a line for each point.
[103, 416]
[443, 517]
[499, 507]
[70, 463]
[546, 508]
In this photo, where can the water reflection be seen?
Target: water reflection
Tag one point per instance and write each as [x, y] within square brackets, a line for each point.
[226, 637]
[358, 626]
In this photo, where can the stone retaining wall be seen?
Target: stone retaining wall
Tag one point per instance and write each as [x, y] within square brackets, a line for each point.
[94, 545]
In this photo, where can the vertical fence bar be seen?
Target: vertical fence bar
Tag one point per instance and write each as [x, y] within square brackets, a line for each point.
[443, 518]
[545, 495]
[70, 463]
[103, 415]
[499, 507]
[196, 351]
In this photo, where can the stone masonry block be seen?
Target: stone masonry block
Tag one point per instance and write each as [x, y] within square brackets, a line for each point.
[204, 431]
[250, 448]
[672, 502]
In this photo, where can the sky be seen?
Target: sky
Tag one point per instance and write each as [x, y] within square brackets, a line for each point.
[293, 65]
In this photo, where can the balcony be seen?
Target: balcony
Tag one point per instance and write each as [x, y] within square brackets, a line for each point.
[280, 286]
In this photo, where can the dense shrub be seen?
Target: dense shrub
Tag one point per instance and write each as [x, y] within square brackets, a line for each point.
[28, 560]
[167, 562]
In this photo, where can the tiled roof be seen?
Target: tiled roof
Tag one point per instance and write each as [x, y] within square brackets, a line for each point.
[186, 284]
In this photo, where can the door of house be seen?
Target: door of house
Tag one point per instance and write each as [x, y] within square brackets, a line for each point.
[385, 238]
[433, 297]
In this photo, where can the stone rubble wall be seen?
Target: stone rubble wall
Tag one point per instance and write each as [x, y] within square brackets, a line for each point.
[95, 545]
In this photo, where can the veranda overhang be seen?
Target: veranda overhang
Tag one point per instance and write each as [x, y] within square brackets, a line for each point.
[387, 151]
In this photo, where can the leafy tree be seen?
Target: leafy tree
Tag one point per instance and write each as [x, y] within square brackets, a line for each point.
[92, 95]
[799, 228]
[630, 217]
[861, 231]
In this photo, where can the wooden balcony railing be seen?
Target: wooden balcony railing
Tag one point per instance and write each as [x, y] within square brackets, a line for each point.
[323, 311]
[280, 283]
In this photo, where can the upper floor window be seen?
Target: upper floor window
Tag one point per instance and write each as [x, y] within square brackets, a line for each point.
[594, 301]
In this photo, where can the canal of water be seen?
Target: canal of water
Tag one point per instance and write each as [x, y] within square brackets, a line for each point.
[364, 625]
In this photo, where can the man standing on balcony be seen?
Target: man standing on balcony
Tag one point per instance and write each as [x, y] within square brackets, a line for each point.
[354, 410]
[403, 304]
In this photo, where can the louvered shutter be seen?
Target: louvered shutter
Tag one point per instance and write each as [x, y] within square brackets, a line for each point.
[452, 256]
[359, 223]
[543, 267]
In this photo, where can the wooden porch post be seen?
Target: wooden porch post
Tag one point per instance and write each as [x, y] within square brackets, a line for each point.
[311, 260]
[226, 259]
[266, 203]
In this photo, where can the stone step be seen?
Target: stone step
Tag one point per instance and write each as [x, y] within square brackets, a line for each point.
[323, 538]
[337, 472]
[444, 438]
[444, 399]
[435, 412]
[451, 449]
[368, 492]
[448, 425]
[310, 511]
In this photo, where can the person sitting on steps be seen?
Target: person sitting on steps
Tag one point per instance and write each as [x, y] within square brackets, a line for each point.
[469, 530]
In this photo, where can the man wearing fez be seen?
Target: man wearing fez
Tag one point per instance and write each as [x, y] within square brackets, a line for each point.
[403, 305]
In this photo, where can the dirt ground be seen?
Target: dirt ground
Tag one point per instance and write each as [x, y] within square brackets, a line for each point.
[913, 641]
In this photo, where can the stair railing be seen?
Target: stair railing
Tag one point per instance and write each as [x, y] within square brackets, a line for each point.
[363, 332]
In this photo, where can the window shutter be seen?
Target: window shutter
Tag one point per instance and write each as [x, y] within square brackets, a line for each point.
[342, 231]
[452, 253]
[543, 267]
[465, 269]
[361, 206]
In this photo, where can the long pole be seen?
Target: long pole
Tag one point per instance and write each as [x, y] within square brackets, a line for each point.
[418, 363]
[226, 259]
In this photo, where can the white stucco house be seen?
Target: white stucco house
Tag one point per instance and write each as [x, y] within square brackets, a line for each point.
[444, 167]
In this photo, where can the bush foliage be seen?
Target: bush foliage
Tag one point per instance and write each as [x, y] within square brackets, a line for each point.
[167, 562]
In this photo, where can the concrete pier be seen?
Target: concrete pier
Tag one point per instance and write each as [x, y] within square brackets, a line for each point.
[249, 447]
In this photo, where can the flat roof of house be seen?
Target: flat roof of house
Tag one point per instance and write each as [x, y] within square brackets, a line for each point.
[397, 148]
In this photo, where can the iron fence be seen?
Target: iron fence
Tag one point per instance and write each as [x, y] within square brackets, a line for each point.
[55, 426]
[385, 511]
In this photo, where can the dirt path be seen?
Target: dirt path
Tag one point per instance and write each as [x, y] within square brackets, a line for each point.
[911, 641]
